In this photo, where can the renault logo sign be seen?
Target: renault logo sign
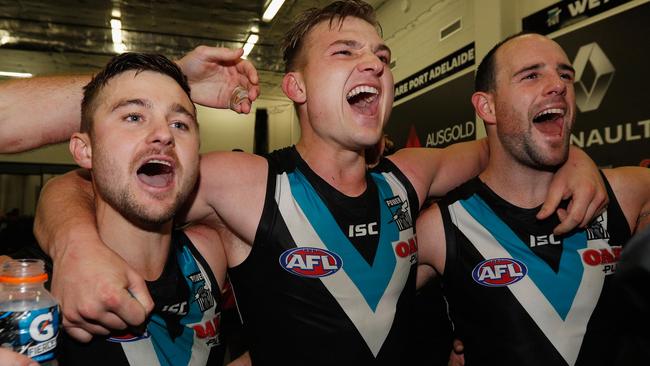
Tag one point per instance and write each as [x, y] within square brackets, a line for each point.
[589, 97]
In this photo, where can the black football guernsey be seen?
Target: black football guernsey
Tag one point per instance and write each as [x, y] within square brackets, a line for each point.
[519, 295]
[183, 330]
[330, 279]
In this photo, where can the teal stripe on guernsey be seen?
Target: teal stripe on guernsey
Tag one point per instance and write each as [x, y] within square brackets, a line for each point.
[178, 351]
[559, 288]
[371, 280]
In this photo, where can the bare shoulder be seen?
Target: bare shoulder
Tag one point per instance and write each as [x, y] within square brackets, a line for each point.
[233, 184]
[418, 165]
[237, 163]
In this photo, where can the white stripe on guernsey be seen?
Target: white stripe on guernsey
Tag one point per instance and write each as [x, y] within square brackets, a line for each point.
[200, 350]
[140, 352]
[373, 326]
[565, 335]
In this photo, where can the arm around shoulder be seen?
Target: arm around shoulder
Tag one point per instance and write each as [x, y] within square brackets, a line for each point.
[579, 179]
[112, 295]
[229, 181]
[434, 172]
[65, 212]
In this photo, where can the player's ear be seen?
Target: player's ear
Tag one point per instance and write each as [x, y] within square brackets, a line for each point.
[81, 149]
[294, 87]
[484, 106]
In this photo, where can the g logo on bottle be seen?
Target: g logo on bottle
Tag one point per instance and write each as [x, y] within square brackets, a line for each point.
[41, 329]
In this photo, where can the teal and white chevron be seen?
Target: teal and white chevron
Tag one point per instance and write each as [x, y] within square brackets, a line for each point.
[367, 293]
[562, 303]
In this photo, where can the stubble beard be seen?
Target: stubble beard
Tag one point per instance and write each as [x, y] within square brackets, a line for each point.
[525, 151]
[122, 199]
[522, 147]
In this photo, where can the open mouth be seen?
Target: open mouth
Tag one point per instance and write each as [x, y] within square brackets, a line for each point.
[156, 173]
[364, 99]
[550, 121]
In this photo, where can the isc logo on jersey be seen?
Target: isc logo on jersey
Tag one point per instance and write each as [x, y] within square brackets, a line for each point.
[498, 272]
[310, 262]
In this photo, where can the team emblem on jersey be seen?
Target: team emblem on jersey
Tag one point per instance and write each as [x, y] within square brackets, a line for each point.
[310, 262]
[400, 212]
[204, 298]
[498, 272]
[596, 230]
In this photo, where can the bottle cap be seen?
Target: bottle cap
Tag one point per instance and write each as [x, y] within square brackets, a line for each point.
[23, 270]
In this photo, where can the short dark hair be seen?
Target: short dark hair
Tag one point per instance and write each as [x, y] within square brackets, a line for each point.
[485, 80]
[119, 64]
[336, 11]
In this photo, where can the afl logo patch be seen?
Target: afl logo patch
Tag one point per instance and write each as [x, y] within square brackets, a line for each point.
[310, 262]
[498, 272]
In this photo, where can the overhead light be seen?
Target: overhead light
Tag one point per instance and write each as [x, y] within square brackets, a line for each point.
[116, 13]
[116, 31]
[5, 37]
[271, 10]
[250, 43]
[16, 74]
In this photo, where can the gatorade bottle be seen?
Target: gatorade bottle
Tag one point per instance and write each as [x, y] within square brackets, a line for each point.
[29, 315]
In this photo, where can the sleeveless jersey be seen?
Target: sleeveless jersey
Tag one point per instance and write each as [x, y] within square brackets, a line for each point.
[184, 328]
[518, 295]
[313, 290]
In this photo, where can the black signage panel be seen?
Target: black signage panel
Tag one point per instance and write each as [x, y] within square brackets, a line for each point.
[611, 59]
[565, 13]
[439, 70]
[438, 118]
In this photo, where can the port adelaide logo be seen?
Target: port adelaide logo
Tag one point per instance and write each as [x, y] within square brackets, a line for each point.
[499, 272]
[400, 212]
[310, 262]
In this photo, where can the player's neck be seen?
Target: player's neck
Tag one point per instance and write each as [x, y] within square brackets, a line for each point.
[516, 183]
[343, 169]
[144, 249]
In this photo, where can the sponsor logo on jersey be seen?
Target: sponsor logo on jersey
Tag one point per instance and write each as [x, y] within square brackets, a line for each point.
[310, 262]
[541, 240]
[399, 209]
[362, 230]
[210, 330]
[605, 257]
[407, 248]
[177, 309]
[128, 337]
[498, 272]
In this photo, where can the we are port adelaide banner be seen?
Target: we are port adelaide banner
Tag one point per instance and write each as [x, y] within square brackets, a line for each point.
[443, 115]
[611, 58]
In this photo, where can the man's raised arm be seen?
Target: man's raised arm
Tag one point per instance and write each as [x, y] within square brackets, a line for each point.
[39, 111]
[45, 110]
[96, 288]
